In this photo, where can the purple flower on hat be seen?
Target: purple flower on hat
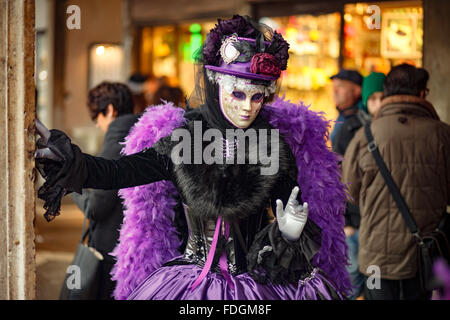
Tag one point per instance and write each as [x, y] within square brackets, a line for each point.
[237, 25]
[266, 64]
[211, 47]
[280, 49]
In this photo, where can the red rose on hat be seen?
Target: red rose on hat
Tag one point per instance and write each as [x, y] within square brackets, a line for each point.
[266, 64]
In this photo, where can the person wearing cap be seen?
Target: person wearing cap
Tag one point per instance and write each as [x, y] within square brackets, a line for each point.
[204, 228]
[347, 97]
[372, 92]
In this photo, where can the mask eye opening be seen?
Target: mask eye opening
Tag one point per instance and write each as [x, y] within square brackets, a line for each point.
[257, 97]
[239, 95]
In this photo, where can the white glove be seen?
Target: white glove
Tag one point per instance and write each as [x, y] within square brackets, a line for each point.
[292, 219]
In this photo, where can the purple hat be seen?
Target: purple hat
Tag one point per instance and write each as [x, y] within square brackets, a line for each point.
[237, 48]
[261, 66]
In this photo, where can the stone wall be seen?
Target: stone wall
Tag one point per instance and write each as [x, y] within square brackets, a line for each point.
[17, 144]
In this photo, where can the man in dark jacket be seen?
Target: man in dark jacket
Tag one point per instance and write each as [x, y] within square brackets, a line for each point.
[416, 148]
[347, 97]
[111, 106]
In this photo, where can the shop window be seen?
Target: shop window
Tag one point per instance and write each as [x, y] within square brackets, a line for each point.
[399, 38]
[146, 48]
[169, 51]
[164, 52]
[313, 58]
[192, 36]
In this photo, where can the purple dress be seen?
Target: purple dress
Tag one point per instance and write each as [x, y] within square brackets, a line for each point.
[174, 282]
[194, 275]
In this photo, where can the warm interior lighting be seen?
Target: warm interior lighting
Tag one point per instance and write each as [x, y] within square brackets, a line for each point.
[43, 75]
[105, 63]
[360, 8]
[100, 50]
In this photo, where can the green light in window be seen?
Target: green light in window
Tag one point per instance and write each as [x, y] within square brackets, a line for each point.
[195, 28]
[196, 42]
[186, 49]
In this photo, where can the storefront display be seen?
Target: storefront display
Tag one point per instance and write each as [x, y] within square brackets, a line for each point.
[399, 38]
[314, 57]
[401, 35]
[169, 51]
[192, 36]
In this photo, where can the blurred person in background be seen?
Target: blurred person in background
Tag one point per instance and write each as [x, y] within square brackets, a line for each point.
[152, 84]
[136, 83]
[347, 96]
[111, 107]
[372, 93]
[169, 94]
[415, 145]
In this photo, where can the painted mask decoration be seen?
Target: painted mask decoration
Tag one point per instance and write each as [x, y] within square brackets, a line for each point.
[241, 101]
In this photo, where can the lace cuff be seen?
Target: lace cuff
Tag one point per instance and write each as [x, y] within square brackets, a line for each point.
[275, 259]
[61, 177]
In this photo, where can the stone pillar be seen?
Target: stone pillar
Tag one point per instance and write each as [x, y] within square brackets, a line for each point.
[436, 54]
[17, 144]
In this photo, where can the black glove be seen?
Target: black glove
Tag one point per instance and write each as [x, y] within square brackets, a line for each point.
[43, 151]
[48, 163]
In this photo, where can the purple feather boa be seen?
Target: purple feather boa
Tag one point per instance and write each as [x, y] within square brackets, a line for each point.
[149, 209]
[148, 237]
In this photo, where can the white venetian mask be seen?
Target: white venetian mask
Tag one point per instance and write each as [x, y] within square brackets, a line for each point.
[240, 101]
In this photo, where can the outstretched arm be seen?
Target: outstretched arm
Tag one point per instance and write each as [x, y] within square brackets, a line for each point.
[137, 169]
[85, 171]
[66, 169]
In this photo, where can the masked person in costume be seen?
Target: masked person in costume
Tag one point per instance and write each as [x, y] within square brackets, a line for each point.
[202, 229]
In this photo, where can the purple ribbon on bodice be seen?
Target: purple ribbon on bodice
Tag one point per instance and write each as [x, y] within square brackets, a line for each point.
[225, 231]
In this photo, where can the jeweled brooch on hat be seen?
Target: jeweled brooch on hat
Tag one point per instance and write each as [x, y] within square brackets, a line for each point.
[228, 51]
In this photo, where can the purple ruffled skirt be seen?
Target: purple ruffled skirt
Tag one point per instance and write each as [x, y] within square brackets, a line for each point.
[174, 282]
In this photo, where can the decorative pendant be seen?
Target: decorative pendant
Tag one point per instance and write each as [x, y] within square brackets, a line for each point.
[229, 148]
[228, 52]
